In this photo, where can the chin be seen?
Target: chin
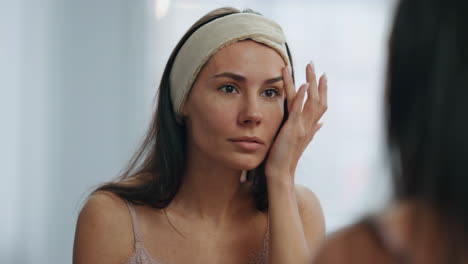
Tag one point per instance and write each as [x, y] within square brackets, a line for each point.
[248, 167]
[249, 163]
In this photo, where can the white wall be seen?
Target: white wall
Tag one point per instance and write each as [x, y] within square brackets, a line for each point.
[73, 106]
[77, 81]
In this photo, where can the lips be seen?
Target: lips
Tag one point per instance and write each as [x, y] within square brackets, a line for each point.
[248, 139]
[248, 143]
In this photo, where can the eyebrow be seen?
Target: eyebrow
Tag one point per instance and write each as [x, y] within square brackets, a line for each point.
[240, 78]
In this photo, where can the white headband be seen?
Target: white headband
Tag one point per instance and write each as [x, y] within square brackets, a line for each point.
[213, 36]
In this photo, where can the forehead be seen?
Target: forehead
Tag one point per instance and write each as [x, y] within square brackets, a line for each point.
[244, 55]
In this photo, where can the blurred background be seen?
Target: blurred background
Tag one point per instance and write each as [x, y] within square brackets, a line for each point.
[77, 87]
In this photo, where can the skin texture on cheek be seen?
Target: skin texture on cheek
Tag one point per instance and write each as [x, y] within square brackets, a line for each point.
[210, 122]
[210, 128]
[211, 125]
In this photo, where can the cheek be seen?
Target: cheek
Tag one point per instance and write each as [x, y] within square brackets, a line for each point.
[211, 120]
[274, 116]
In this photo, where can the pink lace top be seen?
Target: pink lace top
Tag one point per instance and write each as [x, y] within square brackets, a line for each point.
[141, 255]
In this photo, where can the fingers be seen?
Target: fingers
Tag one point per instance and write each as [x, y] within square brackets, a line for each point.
[316, 103]
[310, 73]
[296, 108]
[323, 90]
[312, 80]
[288, 86]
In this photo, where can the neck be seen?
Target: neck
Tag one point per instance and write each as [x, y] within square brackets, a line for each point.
[212, 192]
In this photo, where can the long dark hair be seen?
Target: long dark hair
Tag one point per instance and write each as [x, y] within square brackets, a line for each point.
[155, 172]
[427, 108]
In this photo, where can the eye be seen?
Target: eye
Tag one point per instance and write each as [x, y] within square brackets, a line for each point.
[228, 89]
[270, 93]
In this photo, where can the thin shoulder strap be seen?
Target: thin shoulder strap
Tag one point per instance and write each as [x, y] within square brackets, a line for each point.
[267, 233]
[134, 221]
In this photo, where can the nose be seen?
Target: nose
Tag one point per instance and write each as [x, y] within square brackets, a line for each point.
[250, 114]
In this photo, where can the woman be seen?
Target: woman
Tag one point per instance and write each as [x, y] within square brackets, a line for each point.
[426, 105]
[213, 181]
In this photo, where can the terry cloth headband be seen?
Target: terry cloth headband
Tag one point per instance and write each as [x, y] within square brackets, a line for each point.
[213, 36]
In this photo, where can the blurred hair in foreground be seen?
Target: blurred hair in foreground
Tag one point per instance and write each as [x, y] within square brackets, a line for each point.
[426, 106]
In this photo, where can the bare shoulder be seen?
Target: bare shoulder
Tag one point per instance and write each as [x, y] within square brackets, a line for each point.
[309, 204]
[311, 216]
[104, 231]
[306, 198]
[355, 244]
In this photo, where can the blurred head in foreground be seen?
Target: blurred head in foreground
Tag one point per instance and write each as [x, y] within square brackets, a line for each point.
[426, 108]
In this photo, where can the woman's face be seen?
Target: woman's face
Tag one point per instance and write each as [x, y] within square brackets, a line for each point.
[236, 105]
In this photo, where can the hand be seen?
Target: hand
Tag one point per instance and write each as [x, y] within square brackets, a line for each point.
[301, 126]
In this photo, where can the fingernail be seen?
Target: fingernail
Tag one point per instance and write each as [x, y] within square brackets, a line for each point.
[306, 87]
[325, 78]
[289, 68]
[312, 66]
